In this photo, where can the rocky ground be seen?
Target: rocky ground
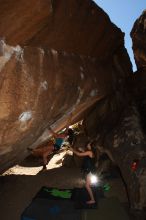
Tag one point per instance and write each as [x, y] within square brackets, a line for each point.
[19, 184]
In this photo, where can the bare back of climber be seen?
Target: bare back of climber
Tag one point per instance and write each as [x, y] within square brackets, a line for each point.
[51, 147]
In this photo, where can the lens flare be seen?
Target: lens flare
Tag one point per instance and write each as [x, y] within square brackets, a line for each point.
[94, 179]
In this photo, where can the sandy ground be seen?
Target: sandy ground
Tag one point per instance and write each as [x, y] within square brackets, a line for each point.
[19, 184]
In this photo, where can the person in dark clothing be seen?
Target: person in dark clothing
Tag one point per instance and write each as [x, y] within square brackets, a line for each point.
[89, 166]
[71, 136]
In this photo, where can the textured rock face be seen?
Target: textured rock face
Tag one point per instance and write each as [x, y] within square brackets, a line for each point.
[40, 86]
[125, 144]
[139, 41]
[21, 20]
[71, 26]
[128, 145]
[138, 35]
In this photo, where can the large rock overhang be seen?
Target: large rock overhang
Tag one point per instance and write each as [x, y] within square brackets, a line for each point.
[69, 56]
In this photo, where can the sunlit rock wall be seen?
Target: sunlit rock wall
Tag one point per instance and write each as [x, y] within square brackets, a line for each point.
[39, 87]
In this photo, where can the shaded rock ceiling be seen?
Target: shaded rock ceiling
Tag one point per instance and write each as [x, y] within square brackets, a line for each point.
[59, 57]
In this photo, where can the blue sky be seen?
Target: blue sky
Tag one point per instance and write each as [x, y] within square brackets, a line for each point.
[124, 13]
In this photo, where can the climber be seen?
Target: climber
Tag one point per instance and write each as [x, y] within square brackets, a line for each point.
[89, 166]
[45, 151]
